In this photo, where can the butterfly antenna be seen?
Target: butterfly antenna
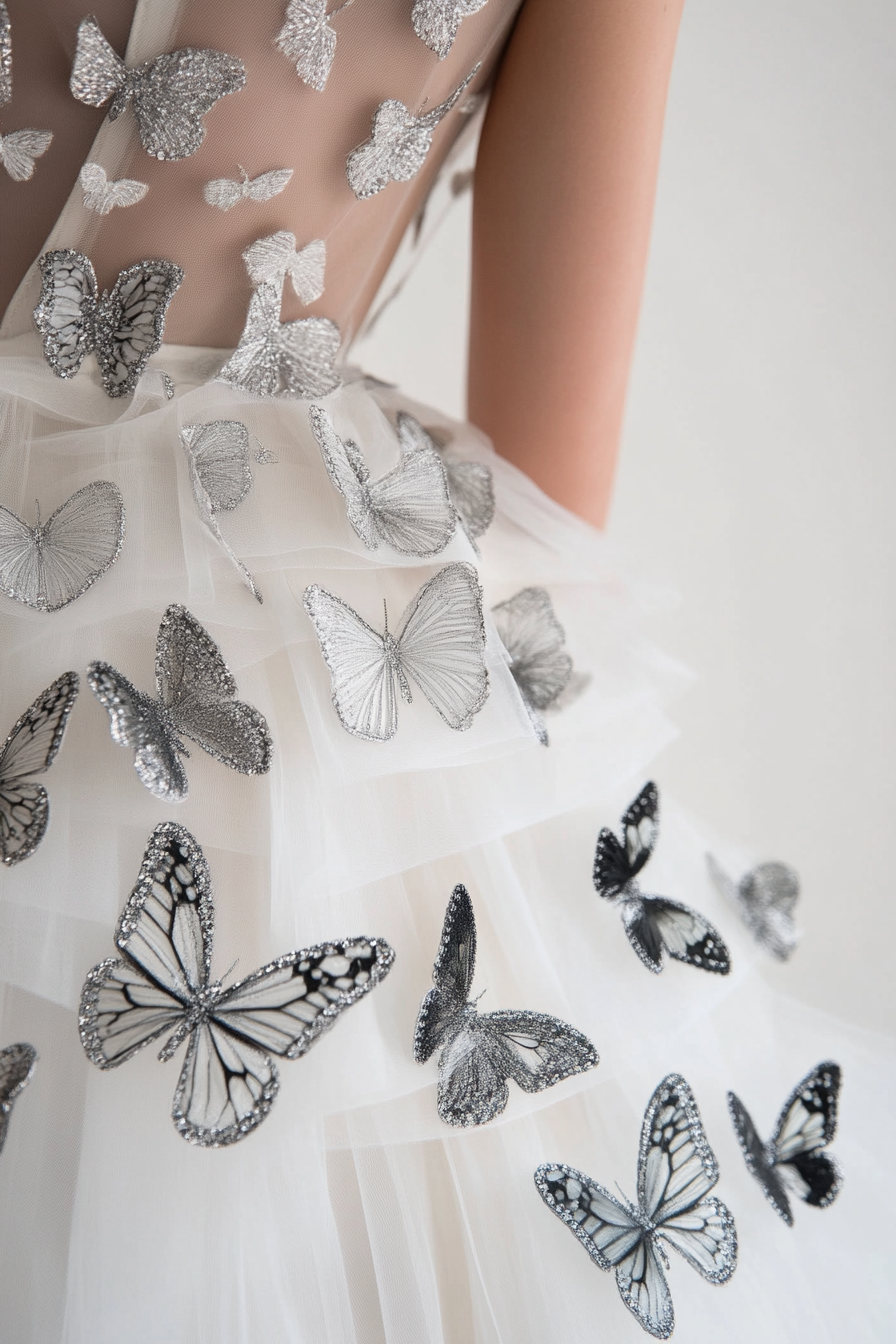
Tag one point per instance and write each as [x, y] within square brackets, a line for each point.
[37, 507]
[386, 616]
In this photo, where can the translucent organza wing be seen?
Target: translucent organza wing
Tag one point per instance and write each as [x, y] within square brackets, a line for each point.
[765, 898]
[363, 682]
[102, 196]
[219, 453]
[348, 471]
[16, 1071]
[307, 39]
[452, 977]
[534, 638]
[49, 565]
[29, 750]
[441, 643]
[656, 925]
[436, 21]
[470, 484]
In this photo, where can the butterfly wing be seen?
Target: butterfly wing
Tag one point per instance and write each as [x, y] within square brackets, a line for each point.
[268, 185]
[165, 936]
[197, 689]
[20, 149]
[306, 269]
[538, 1050]
[767, 896]
[254, 364]
[98, 72]
[78, 544]
[756, 1158]
[363, 682]
[473, 495]
[307, 39]
[219, 451]
[436, 22]
[308, 349]
[65, 313]
[805, 1126]
[348, 472]
[411, 504]
[30, 749]
[172, 93]
[16, 1070]
[615, 864]
[229, 1081]
[655, 924]
[139, 722]
[133, 322]
[224, 192]
[5, 56]
[452, 976]
[395, 151]
[441, 642]
[676, 1170]
[101, 195]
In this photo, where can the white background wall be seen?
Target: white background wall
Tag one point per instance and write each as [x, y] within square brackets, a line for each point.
[758, 470]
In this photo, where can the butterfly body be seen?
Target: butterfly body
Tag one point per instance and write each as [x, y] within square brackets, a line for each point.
[30, 749]
[676, 1171]
[655, 925]
[793, 1161]
[480, 1052]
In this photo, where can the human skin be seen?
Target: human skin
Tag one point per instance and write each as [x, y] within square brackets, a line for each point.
[563, 202]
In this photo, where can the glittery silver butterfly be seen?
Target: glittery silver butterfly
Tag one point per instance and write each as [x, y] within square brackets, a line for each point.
[19, 149]
[273, 258]
[480, 1051]
[170, 94]
[297, 356]
[218, 458]
[534, 638]
[676, 1171]
[101, 195]
[409, 508]
[196, 699]
[29, 750]
[439, 644]
[123, 327]
[765, 898]
[16, 1071]
[225, 193]
[398, 145]
[792, 1160]
[469, 483]
[307, 38]
[436, 21]
[161, 986]
[654, 924]
[48, 565]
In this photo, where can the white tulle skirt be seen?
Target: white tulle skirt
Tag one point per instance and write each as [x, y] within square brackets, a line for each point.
[354, 1215]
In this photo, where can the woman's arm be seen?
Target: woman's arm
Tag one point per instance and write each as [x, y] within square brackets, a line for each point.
[565, 184]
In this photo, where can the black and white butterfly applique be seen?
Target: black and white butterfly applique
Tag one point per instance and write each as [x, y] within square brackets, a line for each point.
[654, 924]
[408, 509]
[793, 1161]
[676, 1171]
[196, 699]
[398, 145]
[218, 458]
[161, 985]
[19, 149]
[480, 1051]
[439, 644]
[16, 1071]
[534, 638]
[101, 196]
[31, 749]
[765, 898]
[307, 39]
[123, 328]
[469, 483]
[436, 21]
[170, 94]
[48, 565]
[225, 193]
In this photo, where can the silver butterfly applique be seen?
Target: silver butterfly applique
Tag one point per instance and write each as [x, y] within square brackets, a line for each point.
[436, 21]
[196, 698]
[469, 483]
[297, 357]
[481, 1051]
[439, 644]
[124, 327]
[160, 986]
[398, 145]
[16, 1071]
[655, 924]
[101, 195]
[409, 508]
[30, 749]
[225, 193]
[170, 94]
[676, 1171]
[218, 457]
[18, 149]
[273, 258]
[48, 565]
[765, 898]
[534, 638]
[793, 1161]
[307, 38]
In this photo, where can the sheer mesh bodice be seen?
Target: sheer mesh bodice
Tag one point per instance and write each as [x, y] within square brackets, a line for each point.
[276, 121]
